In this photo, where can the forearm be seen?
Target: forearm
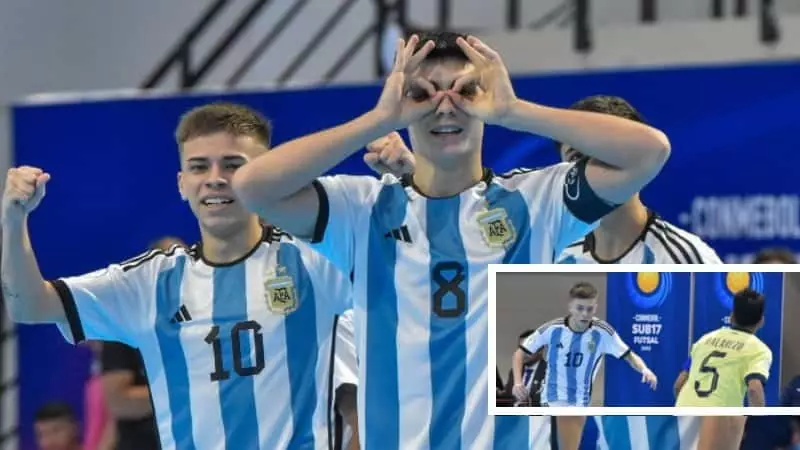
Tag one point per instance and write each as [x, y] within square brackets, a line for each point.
[615, 141]
[516, 366]
[28, 297]
[133, 403]
[636, 362]
[289, 167]
[755, 396]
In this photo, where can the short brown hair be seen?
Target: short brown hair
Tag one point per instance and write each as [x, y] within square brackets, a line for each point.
[238, 120]
[583, 291]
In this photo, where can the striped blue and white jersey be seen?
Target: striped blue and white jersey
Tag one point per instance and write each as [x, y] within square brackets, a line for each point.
[420, 292]
[627, 433]
[573, 358]
[659, 243]
[647, 432]
[237, 355]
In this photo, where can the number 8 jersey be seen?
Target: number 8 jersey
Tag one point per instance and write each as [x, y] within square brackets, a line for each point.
[238, 356]
[420, 293]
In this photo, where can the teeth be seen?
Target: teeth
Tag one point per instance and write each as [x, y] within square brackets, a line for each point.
[447, 129]
[217, 201]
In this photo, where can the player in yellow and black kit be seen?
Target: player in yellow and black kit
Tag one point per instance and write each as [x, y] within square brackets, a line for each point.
[728, 364]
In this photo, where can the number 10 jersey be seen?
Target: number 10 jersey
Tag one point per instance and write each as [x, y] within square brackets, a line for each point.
[238, 356]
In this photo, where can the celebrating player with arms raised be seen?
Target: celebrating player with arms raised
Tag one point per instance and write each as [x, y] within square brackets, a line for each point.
[235, 333]
[420, 247]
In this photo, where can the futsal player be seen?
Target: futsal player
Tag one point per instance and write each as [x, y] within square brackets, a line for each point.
[727, 365]
[234, 332]
[632, 233]
[420, 247]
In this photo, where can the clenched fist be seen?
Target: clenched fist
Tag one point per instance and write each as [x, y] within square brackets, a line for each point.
[24, 190]
[390, 154]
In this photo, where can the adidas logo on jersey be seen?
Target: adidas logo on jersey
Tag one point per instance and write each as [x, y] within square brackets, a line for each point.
[400, 234]
[181, 316]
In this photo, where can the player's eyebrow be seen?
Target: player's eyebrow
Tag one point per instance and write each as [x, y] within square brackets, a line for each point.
[227, 158]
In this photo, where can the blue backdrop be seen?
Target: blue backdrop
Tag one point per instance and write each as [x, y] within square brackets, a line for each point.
[713, 301]
[650, 311]
[113, 166]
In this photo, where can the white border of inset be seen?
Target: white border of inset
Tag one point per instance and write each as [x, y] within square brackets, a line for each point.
[494, 410]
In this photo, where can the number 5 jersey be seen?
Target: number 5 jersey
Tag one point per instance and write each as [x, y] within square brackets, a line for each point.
[238, 355]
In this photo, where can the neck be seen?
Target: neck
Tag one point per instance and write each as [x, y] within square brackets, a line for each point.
[226, 249]
[574, 324]
[617, 231]
[445, 180]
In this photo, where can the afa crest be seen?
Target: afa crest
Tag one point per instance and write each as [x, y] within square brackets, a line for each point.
[496, 228]
[280, 293]
[591, 345]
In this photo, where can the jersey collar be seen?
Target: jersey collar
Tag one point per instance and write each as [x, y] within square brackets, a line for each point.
[407, 181]
[743, 330]
[589, 241]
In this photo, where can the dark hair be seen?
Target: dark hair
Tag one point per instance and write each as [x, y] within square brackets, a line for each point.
[446, 47]
[55, 410]
[527, 333]
[776, 255]
[583, 291]
[238, 120]
[607, 104]
[748, 307]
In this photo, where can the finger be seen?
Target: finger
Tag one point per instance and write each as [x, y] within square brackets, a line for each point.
[399, 55]
[29, 169]
[461, 102]
[416, 59]
[474, 56]
[372, 160]
[410, 46]
[485, 51]
[465, 80]
[378, 144]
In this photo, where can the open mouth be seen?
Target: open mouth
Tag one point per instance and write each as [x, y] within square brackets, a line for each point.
[447, 130]
[216, 201]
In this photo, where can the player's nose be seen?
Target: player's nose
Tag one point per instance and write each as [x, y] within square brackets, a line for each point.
[446, 107]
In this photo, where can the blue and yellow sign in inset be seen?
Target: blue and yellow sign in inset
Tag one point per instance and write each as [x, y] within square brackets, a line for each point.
[727, 284]
[649, 289]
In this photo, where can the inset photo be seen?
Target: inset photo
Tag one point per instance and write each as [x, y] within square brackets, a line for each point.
[643, 341]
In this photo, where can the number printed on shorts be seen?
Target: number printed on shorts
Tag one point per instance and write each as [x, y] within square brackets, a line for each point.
[241, 331]
[705, 368]
[449, 300]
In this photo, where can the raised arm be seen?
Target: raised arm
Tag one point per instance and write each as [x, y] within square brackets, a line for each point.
[278, 184]
[625, 155]
[28, 297]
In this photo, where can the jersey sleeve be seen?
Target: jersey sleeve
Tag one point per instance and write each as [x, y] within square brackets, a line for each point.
[758, 368]
[561, 198]
[614, 345]
[342, 199]
[331, 285]
[111, 304]
[536, 340]
[345, 365]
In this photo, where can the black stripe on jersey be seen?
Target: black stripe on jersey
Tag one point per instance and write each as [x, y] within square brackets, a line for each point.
[666, 246]
[70, 310]
[331, 367]
[677, 245]
[323, 215]
[625, 355]
[670, 229]
[546, 325]
[138, 261]
[580, 198]
[756, 376]
[518, 171]
[525, 350]
[603, 325]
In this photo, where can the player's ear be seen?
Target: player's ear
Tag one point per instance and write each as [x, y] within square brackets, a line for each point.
[180, 186]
